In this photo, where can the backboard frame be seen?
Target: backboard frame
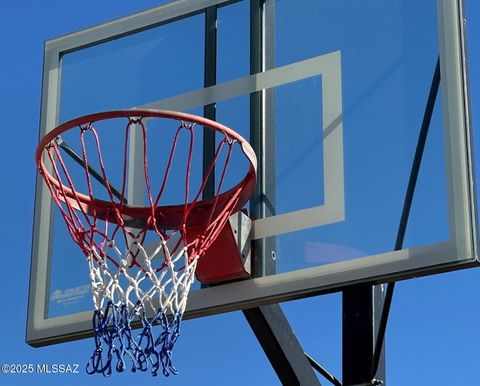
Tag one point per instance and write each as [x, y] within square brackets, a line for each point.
[457, 253]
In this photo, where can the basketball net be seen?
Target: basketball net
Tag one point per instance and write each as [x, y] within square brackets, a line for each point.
[141, 260]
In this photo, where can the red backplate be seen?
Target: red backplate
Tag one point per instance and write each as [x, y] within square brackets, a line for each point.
[228, 258]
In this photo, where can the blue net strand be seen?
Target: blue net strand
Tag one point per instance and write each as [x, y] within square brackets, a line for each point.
[127, 279]
[95, 364]
[145, 343]
[128, 345]
[166, 341]
[116, 345]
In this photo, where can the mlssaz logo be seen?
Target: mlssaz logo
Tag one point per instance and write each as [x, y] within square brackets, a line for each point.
[58, 369]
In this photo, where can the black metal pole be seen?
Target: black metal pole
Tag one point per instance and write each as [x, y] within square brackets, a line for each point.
[361, 308]
[282, 348]
[331, 378]
[209, 111]
[402, 227]
[366, 309]
[268, 322]
[262, 130]
[79, 160]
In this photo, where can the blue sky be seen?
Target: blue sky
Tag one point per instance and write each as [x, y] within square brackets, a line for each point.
[433, 336]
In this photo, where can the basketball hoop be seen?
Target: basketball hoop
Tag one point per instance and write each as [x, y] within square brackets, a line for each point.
[133, 283]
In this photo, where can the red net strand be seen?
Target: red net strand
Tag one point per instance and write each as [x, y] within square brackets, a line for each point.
[142, 259]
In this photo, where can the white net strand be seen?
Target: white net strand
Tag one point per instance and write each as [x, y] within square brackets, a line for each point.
[131, 285]
[126, 294]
